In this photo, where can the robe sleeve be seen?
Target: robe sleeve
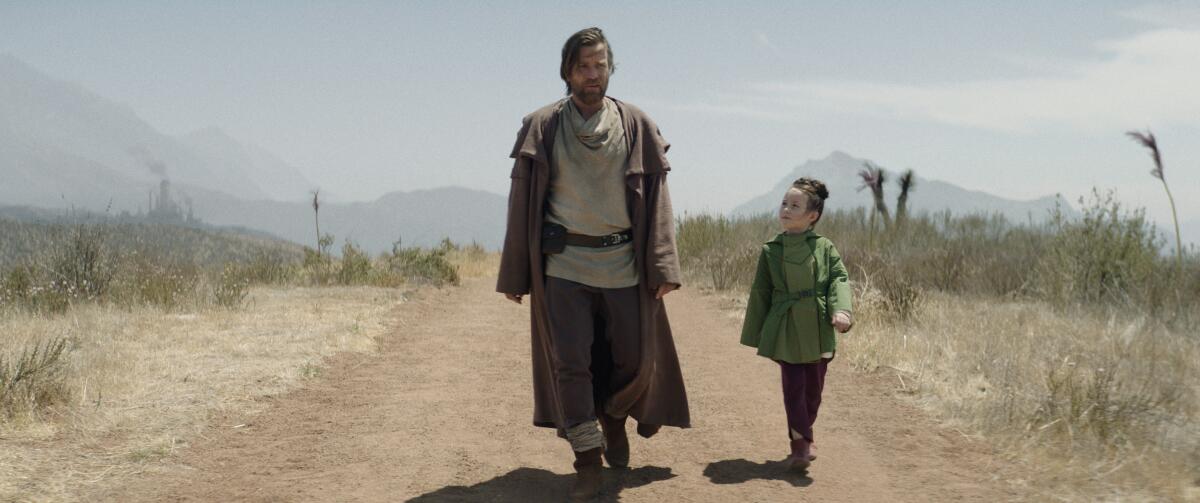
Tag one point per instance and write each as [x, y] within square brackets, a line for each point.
[759, 302]
[838, 296]
[514, 275]
[662, 259]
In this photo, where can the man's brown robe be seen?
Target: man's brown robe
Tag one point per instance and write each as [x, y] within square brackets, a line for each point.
[656, 396]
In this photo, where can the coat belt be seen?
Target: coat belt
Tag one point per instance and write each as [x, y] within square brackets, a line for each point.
[613, 239]
[782, 297]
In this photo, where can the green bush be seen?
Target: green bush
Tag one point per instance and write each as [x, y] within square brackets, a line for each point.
[1111, 254]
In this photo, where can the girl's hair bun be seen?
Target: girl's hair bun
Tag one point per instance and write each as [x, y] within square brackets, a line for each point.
[812, 186]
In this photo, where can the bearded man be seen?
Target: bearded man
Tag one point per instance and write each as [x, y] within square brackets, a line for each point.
[591, 239]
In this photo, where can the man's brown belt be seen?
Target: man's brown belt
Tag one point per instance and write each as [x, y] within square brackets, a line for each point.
[600, 241]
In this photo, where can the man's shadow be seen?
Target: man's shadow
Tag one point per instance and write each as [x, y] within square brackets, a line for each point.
[737, 471]
[532, 484]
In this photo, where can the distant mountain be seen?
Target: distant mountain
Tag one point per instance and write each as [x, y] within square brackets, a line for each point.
[62, 146]
[42, 175]
[420, 217]
[275, 177]
[49, 120]
[839, 171]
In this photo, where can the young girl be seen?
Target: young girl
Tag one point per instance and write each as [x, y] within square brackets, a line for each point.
[800, 295]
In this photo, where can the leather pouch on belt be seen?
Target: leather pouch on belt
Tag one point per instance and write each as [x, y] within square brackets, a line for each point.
[554, 238]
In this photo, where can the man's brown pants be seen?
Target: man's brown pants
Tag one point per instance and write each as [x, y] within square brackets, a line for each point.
[597, 343]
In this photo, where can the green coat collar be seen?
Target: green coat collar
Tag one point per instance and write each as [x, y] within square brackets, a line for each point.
[784, 237]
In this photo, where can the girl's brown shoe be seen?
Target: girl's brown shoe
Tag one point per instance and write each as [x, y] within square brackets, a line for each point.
[801, 456]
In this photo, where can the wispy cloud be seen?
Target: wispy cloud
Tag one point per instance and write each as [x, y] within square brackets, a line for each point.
[763, 40]
[1147, 79]
[1176, 15]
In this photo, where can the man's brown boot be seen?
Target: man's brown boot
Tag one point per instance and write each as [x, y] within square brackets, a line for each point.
[801, 455]
[587, 475]
[616, 452]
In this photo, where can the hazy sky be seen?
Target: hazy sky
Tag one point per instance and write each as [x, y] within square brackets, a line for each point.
[1021, 99]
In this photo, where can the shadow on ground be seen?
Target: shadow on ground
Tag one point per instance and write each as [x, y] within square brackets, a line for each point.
[533, 484]
[737, 471]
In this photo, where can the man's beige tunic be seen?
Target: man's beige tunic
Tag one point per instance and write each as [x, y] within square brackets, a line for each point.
[587, 196]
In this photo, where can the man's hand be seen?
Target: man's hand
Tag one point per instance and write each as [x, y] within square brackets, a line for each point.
[841, 321]
[664, 289]
[513, 297]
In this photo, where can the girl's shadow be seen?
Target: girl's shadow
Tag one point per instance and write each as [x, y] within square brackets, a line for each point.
[532, 484]
[737, 471]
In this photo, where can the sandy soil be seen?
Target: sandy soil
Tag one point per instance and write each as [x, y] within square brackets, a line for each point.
[442, 413]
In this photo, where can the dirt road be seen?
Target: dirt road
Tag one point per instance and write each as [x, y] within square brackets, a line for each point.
[442, 413]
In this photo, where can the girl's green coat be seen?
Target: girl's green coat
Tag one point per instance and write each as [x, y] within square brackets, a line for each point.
[800, 283]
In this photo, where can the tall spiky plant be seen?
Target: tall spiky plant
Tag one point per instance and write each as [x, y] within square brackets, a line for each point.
[873, 178]
[316, 205]
[907, 182]
[1147, 140]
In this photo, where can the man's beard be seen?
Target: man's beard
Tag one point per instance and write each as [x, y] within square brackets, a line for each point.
[590, 96]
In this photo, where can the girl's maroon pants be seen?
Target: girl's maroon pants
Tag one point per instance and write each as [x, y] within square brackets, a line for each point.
[802, 386]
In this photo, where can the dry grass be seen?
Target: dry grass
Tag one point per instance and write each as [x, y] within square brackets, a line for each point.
[1072, 346]
[1099, 407]
[474, 262]
[143, 382]
[1106, 406]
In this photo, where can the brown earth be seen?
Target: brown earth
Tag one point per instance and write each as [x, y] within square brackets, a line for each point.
[443, 412]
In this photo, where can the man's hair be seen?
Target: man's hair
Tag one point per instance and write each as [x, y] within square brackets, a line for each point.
[570, 51]
[816, 192]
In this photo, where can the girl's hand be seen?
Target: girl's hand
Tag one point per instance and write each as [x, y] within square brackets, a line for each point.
[664, 289]
[841, 322]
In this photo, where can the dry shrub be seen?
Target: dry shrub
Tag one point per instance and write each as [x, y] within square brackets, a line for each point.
[232, 287]
[355, 265]
[51, 267]
[1072, 344]
[32, 378]
[719, 251]
[474, 261]
[727, 267]
[900, 299]
[80, 264]
[317, 269]
[156, 281]
[1119, 400]
[22, 288]
[268, 267]
[425, 266]
[1109, 255]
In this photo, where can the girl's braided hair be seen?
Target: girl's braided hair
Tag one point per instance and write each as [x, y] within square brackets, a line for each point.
[816, 192]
